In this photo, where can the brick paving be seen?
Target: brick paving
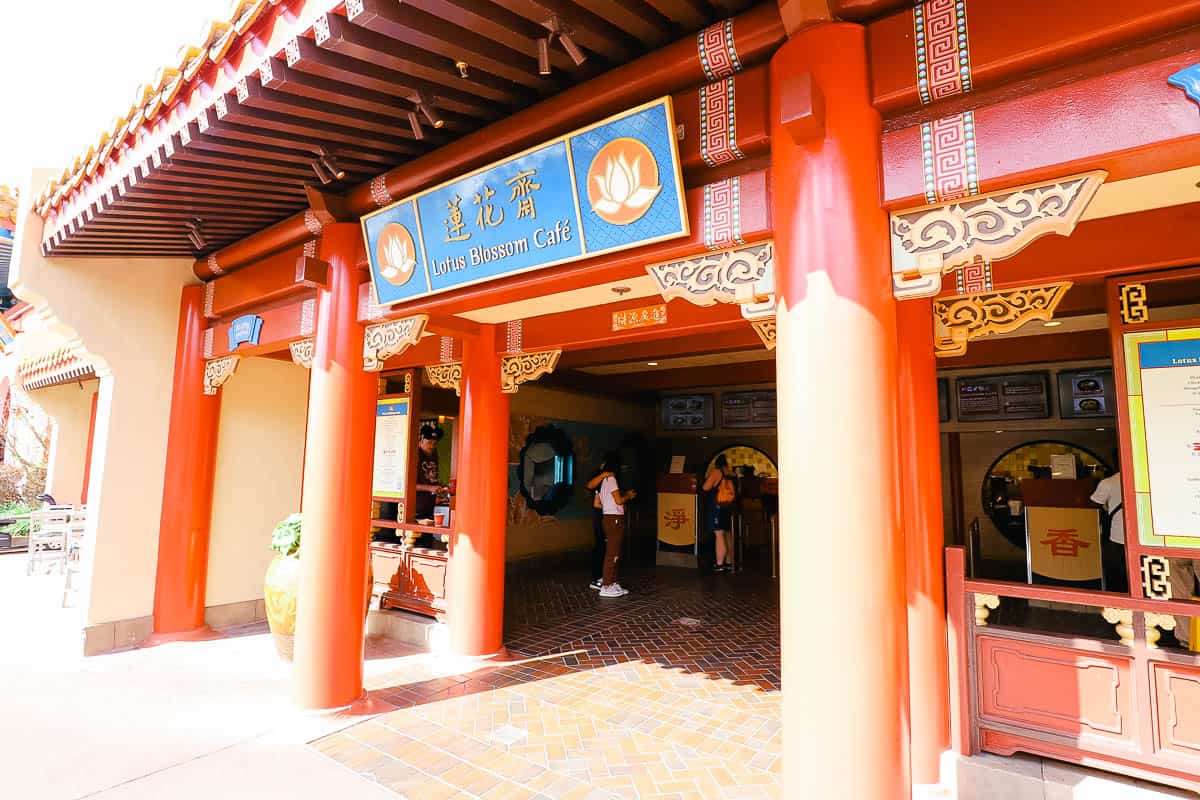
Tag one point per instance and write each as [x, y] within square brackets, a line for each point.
[672, 692]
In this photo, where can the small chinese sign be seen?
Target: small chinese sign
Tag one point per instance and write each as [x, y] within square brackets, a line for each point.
[1064, 545]
[246, 329]
[677, 519]
[646, 317]
[611, 186]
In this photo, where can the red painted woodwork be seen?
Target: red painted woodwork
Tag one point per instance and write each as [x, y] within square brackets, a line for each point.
[1081, 693]
[750, 103]
[91, 441]
[1073, 346]
[1129, 122]
[593, 327]
[410, 579]
[650, 349]
[475, 611]
[1019, 38]
[1177, 693]
[757, 33]
[836, 361]
[756, 225]
[283, 321]
[184, 523]
[924, 540]
[336, 495]
[273, 278]
[958, 652]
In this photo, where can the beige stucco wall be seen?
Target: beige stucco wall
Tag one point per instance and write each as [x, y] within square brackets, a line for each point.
[70, 406]
[260, 454]
[123, 313]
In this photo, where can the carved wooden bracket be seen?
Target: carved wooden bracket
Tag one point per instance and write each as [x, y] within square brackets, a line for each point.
[958, 320]
[302, 352]
[765, 328]
[391, 338]
[985, 604]
[931, 241]
[447, 376]
[742, 275]
[217, 371]
[525, 367]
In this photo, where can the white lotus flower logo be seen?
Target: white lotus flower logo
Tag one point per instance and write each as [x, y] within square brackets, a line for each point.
[619, 185]
[398, 262]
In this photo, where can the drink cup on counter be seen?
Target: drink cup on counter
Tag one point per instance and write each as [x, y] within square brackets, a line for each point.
[1014, 507]
[439, 520]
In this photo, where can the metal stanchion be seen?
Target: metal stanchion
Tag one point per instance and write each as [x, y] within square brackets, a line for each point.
[775, 546]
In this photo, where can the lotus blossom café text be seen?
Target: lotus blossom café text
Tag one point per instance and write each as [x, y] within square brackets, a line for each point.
[542, 237]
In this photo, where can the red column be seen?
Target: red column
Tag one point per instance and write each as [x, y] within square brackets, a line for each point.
[475, 583]
[924, 541]
[336, 498]
[845, 699]
[188, 480]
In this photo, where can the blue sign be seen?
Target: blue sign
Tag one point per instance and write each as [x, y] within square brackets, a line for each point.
[611, 186]
[246, 328]
[1176, 353]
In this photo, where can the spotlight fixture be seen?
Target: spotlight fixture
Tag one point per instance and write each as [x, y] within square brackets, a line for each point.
[425, 106]
[544, 56]
[195, 233]
[415, 121]
[322, 175]
[563, 32]
[329, 164]
[651, 363]
[1054, 323]
[462, 68]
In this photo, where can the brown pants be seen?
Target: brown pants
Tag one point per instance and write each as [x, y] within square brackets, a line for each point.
[614, 534]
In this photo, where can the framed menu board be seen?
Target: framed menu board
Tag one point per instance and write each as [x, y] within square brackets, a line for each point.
[990, 398]
[687, 412]
[390, 478]
[748, 409]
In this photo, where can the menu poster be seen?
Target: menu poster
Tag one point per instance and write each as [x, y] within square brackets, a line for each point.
[1086, 393]
[1170, 373]
[687, 412]
[748, 409]
[391, 448]
[999, 397]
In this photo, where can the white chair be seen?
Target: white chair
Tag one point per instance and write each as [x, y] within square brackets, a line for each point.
[48, 538]
[73, 556]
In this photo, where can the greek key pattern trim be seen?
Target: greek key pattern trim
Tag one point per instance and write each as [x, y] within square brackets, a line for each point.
[217, 371]
[973, 278]
[208, 342]
[302, 352]
[730, 276]
[949, 159]
[959, 320]
[379, 192]
[210, 294]
[765, 328]
[525, 367]
[446, 376]
[446, 349]
[311, 223]
[308, 316]
[514, 331]
[213, 266]
[718, 55]
[723, 214]
[718, 123]
[942, 49]
[930, 241]
[391, 338]
[1134, 309]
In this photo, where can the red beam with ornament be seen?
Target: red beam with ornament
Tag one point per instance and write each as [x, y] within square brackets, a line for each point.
[282, 321]
[274, 277]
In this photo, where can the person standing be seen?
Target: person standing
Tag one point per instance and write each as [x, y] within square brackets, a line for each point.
[1108, 496]
[428, 479]
[598, 539]
[719, 496]
[613, 501]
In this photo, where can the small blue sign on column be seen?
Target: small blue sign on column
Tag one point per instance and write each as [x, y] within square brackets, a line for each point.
[245, 329]
[611, 186]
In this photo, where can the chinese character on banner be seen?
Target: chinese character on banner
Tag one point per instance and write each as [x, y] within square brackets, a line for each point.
[1064, 542]
[454, 222]
[523, 188]
[675, 519]
[488, 216]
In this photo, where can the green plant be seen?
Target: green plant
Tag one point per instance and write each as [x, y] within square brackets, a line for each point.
[285, 539]
[21, 527]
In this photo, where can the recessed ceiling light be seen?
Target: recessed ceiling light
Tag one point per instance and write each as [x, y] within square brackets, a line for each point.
[999, 431]
[1054, 323]
[651, 363]
[1099, 429]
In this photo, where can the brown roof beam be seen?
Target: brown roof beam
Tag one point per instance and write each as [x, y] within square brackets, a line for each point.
[274, 73]
[647, 24]
[590, 31]
[496, 23]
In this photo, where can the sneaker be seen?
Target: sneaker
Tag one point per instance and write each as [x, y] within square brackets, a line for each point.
[720, 568]
[597, 584]
[613, 590]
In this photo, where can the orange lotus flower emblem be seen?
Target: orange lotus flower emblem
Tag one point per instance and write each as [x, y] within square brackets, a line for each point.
[396, 254]
[623, 181]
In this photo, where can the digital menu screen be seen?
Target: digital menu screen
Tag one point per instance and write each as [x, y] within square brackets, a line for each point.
[990, 398]
[748, 409]
[687, 412]
[1085, 393]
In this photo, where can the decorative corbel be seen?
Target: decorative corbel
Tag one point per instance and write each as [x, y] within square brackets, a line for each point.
[391, 338]
[931, 241]
[762, 319]
[985, 604]
[302, 352]
[958, 320]
[741, 275]
[522, 368]
[446, 376]
[217, 371]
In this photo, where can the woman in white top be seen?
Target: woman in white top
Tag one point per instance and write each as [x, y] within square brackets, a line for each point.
[612, 502]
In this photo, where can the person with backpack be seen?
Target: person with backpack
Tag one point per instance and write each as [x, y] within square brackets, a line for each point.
[720, 494]
[1112, 532]
[599, 542]
[612, 502]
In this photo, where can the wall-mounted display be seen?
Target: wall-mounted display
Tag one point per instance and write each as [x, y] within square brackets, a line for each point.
[1085, 393]
[989, 398]
[687, 412]
[748, 409]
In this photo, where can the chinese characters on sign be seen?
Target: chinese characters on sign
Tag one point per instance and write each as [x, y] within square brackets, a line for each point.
[675, 518]
[1064, 542]
[1064, 545]
[646, 317]
[611, 186]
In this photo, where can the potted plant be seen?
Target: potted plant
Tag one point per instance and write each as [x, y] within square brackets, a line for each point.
[282, 581]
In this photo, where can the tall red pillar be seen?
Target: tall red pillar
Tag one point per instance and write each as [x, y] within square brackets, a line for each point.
[845, 698]
[186, 516]
[475, 583]
[924, 539]
[336, 498]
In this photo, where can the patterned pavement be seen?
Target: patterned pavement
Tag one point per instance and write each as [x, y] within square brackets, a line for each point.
[671, 692]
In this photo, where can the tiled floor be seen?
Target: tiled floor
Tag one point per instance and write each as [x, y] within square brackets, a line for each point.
[671, 692]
